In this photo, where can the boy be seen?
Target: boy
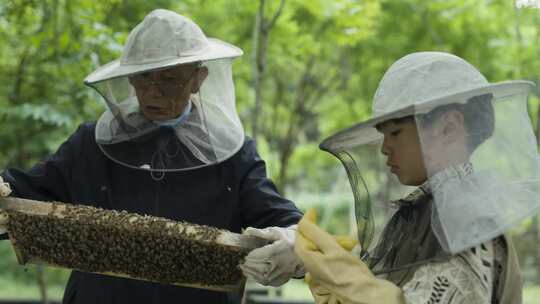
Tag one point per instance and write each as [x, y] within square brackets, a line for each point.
[468, 147]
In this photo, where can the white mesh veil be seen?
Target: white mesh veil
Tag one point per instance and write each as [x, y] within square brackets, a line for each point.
[503, 185]
[208, 129]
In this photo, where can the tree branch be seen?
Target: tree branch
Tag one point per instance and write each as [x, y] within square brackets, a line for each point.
[276, 15]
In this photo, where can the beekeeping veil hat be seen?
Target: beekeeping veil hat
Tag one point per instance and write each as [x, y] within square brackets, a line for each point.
[208, 131]
[494, 185]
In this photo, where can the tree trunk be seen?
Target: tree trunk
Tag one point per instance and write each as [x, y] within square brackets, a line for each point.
[259, 52]
[261, 33]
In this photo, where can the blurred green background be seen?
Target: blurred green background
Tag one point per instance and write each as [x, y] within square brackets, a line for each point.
[310, 68]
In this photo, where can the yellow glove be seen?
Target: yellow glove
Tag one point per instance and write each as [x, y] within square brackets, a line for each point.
[321, 294]
[337, 271]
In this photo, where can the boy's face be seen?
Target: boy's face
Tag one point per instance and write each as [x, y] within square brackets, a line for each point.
[401, 146]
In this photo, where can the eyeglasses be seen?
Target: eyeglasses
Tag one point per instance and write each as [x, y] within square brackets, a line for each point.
[166, 87]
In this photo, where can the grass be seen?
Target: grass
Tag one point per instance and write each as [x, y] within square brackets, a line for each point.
[15, 290]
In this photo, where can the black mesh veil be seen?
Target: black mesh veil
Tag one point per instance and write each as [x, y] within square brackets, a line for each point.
[362, 202]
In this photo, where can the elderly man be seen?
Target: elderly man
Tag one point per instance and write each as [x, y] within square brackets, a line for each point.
[169, 144]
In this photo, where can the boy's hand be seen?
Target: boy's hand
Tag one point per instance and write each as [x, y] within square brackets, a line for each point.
[336, 274]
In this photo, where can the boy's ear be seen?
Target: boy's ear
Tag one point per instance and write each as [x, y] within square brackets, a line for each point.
[200, 76]
[452, 126]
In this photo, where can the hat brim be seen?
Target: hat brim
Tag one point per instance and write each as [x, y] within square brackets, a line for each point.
[365, 132]
[217, 50]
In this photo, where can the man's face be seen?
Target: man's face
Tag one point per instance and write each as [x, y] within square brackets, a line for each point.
[164, 94]
[401, 146]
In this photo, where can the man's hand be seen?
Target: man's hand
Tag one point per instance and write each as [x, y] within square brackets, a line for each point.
[276, 263]
[5, 190]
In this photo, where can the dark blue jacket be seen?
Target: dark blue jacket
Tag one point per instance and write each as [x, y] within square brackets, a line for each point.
[231, 195]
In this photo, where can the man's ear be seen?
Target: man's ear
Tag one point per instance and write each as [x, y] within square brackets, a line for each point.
[200, 76]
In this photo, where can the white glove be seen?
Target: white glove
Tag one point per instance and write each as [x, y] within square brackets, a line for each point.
[276, 263]
[5, 190]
